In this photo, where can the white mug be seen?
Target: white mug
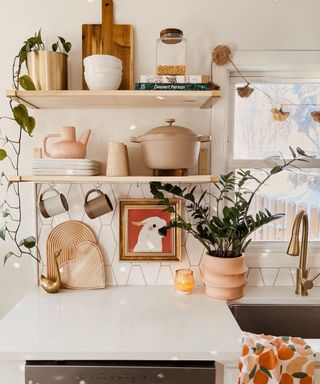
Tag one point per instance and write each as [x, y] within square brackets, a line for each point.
[54, 205]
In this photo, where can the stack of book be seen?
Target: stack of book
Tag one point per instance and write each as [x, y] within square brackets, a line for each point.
[174, 83]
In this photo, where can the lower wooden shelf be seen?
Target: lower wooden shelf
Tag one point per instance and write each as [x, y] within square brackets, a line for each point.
[192, 179]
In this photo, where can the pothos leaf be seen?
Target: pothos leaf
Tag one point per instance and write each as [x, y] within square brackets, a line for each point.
[3, 231]
[28, 242]
[31, 125]
[21, 115]
[6, 212]
[6, 257]
[3, 154]
[67, 47]
[27, 83]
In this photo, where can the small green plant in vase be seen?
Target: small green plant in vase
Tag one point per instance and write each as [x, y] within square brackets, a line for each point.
[47, 69]
[224, 227]
[11, 137]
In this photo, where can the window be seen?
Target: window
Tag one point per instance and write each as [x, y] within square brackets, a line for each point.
[254, 137]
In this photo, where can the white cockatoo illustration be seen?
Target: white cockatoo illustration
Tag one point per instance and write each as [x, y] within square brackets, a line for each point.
[149, 239]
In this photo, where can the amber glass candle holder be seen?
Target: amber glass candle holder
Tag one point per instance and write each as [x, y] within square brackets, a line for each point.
[184, 281]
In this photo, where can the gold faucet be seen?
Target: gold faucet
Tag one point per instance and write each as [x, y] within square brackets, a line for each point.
[303, 284]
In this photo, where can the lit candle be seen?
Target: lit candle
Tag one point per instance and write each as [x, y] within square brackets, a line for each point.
[184, 281]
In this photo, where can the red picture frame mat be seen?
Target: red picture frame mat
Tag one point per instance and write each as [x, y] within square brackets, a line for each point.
[142, 204]
[136, 213]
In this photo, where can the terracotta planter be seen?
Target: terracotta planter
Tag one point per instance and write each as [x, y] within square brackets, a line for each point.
[224, 278]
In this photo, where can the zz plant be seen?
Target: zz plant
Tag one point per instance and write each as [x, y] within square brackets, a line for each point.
[227, 232]
[10, 150]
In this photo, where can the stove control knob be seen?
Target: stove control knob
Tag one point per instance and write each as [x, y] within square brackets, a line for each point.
[82, 382]
[160, 376]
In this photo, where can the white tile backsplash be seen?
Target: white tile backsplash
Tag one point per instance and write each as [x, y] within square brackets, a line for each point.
[255, 278]
[284, 278]
[106, 229]
[269, 275]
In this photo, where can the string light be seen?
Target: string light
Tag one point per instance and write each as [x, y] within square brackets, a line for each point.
[221, 56]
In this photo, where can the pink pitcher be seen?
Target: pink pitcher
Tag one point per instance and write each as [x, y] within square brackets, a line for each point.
[68, 147]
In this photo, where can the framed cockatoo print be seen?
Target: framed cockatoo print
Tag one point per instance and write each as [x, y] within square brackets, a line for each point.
[142, 233]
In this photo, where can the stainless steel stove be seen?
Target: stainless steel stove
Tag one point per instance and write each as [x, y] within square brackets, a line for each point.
[119, 372]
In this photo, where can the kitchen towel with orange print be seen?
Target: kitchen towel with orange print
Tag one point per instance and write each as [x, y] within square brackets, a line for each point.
[275, 360]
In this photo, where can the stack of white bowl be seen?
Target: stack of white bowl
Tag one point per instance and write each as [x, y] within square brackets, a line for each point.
[102, 72]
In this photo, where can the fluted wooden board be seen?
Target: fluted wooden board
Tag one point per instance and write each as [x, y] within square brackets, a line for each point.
[66, 236]
[86, 270]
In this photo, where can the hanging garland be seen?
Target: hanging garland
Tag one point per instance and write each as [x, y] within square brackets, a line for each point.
[221, 55]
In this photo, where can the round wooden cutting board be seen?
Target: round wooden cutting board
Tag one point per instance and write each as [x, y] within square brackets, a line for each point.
[66, 236]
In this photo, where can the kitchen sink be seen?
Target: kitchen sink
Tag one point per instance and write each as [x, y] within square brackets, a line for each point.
[279, 319]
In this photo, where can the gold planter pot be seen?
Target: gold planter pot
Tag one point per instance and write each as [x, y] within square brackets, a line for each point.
[48, 70]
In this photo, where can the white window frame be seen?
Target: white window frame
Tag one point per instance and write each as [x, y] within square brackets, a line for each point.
[285, 65]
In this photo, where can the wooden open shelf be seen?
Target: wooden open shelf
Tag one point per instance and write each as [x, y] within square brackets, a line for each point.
[107, 179]
[115, 99]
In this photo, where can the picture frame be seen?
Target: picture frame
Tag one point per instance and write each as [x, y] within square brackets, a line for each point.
[139, 223]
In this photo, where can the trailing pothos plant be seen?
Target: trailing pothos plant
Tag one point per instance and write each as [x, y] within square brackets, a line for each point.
[227, 232]
[33, 44]
[10, 150]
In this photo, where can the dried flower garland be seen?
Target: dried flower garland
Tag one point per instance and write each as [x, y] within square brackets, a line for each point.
[245, 91]
[316, 116]
[279, 114]
[221, 56]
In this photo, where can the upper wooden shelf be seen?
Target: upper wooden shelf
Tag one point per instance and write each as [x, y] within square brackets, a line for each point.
[115, 99]
[192, 179]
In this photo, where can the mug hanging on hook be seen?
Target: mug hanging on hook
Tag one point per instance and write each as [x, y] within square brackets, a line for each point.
[54, 205]
[97, 206]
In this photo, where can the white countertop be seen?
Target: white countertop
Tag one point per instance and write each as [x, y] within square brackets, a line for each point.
[134, 323]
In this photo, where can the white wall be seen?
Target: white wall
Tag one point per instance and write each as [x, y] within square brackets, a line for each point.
[244, 24]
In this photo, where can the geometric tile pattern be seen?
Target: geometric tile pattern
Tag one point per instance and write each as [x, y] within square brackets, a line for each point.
[106, 229]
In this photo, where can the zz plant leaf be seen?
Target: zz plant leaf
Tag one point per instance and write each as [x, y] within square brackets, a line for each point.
[227, 232]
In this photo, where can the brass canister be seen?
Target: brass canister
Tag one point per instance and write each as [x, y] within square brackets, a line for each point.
[48, 70]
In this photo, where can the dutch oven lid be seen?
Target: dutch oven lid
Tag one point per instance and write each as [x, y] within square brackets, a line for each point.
[170, 132]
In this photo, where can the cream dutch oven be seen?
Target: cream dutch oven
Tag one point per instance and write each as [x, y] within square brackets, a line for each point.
[170, 147]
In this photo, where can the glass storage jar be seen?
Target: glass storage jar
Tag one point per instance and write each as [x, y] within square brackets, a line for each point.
[171, 52]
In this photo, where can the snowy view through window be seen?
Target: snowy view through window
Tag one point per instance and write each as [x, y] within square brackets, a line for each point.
[257, 136]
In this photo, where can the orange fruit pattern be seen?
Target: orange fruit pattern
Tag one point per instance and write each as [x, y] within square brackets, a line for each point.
[268, 359]
[284, 360]
[286, 379]
[260, 378]
[306, 380]
[285, 353]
